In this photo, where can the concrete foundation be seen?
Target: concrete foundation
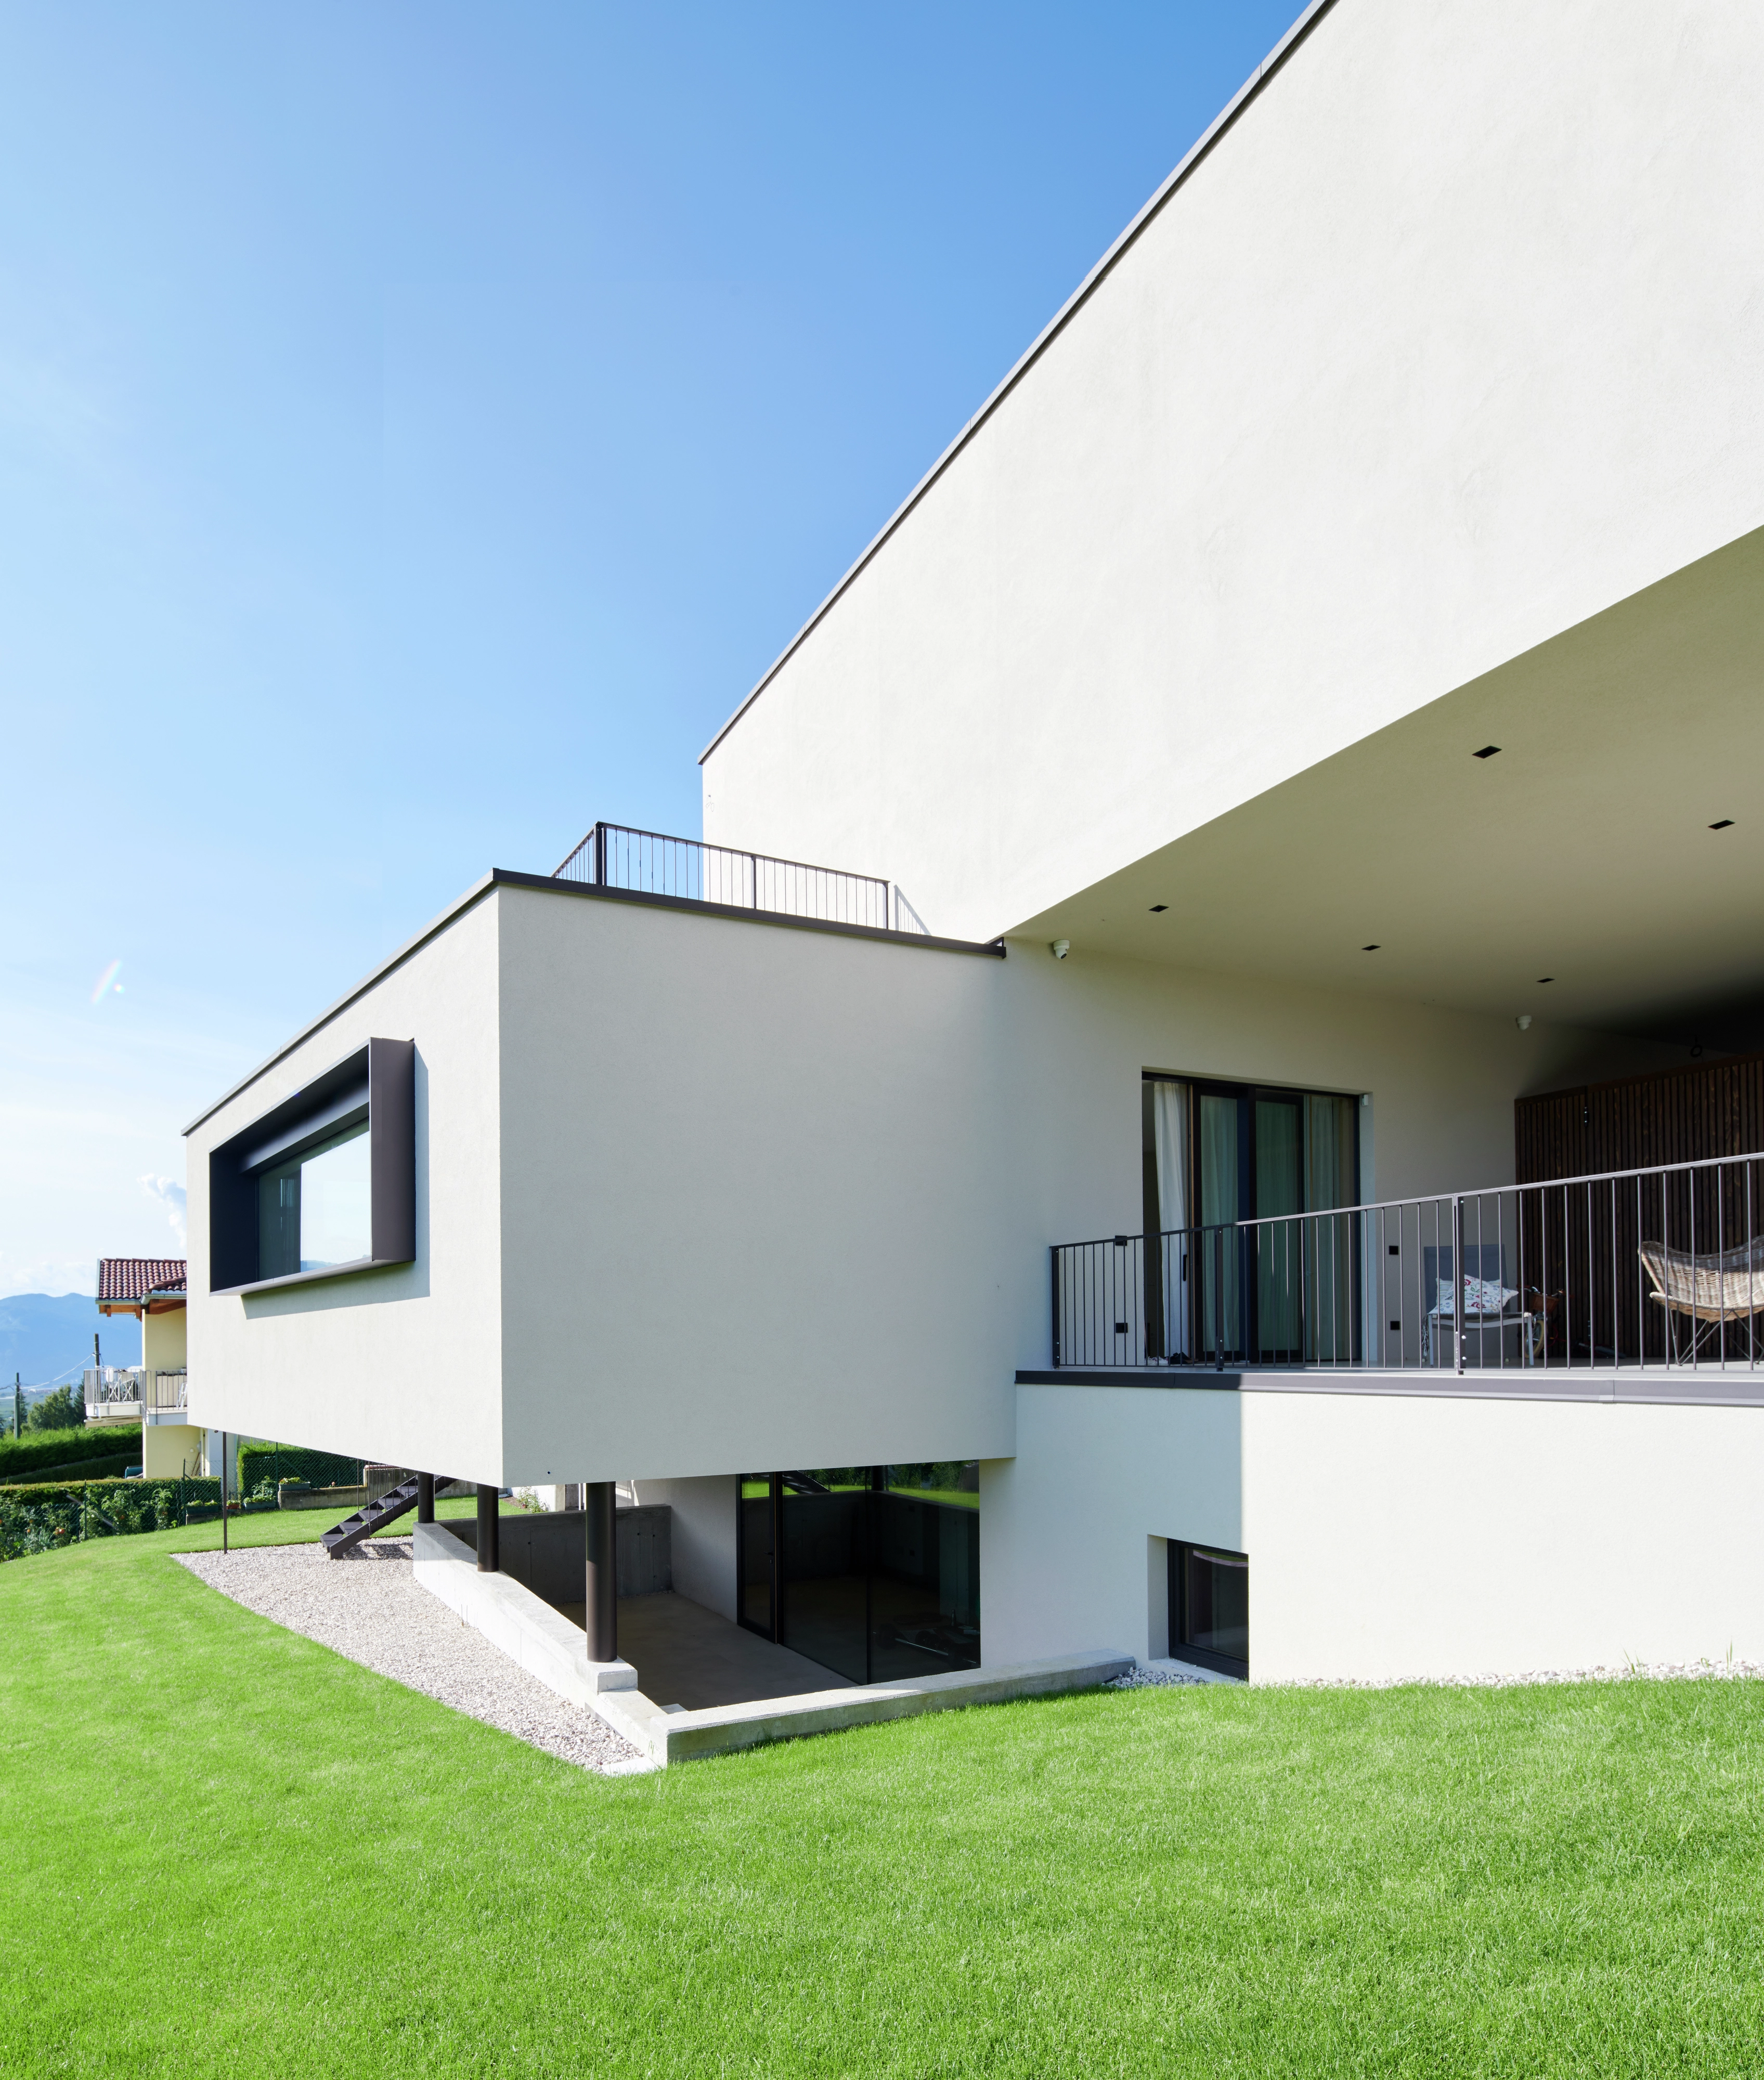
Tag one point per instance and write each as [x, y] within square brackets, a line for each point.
[545, 1642]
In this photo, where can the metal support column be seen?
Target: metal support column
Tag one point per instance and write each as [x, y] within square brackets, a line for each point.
[426, 1498]
[490, 1526]
[602, 1586]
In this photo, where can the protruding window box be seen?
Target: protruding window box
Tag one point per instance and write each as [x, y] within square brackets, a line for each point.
[323, 1185]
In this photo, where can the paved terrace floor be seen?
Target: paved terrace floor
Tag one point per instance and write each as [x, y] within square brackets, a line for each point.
[685, 1654]
[1707, 1385]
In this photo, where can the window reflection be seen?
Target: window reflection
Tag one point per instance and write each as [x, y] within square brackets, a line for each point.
[1209, 1607]
[876, 1570]
[314, 1211]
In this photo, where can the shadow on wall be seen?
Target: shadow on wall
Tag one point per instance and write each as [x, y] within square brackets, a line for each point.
[547, 1551]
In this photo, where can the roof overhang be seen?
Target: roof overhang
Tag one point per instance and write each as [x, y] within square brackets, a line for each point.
[1582, 851]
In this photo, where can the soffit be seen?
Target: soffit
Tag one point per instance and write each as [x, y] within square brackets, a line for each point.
[1582, 851]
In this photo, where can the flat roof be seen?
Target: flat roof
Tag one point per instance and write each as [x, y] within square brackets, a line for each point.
[504, 877]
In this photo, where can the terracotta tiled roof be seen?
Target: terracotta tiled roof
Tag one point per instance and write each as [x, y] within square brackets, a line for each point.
[131, 1277]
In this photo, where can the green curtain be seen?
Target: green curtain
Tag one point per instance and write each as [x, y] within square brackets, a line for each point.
[1331, 1129]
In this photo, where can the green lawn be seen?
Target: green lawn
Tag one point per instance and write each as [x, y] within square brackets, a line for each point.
[231, 1852]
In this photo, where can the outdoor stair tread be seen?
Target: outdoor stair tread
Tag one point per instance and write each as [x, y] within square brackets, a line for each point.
[362, 1522]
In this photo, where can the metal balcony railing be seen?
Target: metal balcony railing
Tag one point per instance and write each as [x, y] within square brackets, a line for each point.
[1658, 1268]
[612, 856]
[167, 1391]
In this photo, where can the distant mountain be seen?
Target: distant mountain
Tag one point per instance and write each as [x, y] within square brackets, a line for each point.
[46, 1338]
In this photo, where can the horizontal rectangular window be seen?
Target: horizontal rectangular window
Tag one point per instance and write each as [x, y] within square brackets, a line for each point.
[323, 1183]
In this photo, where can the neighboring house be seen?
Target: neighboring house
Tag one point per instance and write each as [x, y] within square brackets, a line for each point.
[154, 1394]
[1312, 707]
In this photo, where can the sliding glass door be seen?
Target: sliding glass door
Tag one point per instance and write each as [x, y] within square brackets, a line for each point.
[1217, 1154]
[872, 1571]
[1220, 1147]
[1278, 1248]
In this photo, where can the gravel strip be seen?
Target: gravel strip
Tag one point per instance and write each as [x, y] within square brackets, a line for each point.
[1142, 1678]
[367, 1607]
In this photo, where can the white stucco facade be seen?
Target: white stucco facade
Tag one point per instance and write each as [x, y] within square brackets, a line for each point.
[1391, 1536]
[402, 1366]
[699, 1193]
[1446, 346]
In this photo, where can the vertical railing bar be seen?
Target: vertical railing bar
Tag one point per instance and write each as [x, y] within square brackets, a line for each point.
[1690, 1199]
[1720, 1250]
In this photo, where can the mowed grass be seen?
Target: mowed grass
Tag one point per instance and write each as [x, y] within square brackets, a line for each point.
[231, 1851]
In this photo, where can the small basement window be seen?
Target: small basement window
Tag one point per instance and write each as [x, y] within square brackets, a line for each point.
[1209, 1607]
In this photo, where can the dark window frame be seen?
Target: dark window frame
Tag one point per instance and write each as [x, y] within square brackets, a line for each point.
[376, 1083]
[1245, 1096]
[1180, 1649]
[769, 1509]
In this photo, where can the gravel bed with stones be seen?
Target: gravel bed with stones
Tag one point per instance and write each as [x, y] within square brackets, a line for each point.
[367, 1607]
[1142, 1678]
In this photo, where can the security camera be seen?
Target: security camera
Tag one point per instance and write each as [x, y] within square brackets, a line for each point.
[1060, 949]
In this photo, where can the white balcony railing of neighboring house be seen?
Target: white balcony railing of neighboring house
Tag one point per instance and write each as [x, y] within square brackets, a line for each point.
[114, 1393]
[1661, 1269]
[127, 1394]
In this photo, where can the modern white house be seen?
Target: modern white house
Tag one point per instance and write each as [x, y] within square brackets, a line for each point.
[1310, 718]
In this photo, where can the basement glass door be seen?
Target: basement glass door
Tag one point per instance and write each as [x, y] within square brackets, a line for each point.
[872, 1571]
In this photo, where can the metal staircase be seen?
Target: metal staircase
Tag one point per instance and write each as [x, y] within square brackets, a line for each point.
[374, 1515]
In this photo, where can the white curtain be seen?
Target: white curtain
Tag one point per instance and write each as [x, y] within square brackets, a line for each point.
[1169, 1137]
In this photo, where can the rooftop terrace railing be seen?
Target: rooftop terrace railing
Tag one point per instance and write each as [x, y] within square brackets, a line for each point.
[613, 856]
[1655, 1269]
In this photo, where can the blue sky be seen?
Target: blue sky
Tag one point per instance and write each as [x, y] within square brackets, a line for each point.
[420, 425]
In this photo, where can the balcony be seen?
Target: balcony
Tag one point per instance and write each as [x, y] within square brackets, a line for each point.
[1656, 1271]
[130, 1394]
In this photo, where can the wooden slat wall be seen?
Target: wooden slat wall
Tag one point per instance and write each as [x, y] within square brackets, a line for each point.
[1672, 1116]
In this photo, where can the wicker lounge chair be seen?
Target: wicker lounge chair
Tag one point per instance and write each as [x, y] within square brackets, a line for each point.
[1709, 1291]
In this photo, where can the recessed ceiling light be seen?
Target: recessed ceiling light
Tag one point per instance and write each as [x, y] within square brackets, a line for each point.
[1156, 906]
[1488, 751]
[1368, 949]
[1725, 824]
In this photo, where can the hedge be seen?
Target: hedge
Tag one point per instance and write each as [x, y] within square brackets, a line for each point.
[276, 1463]
[38, 1448]
[44, 1517]
[111, 1467]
